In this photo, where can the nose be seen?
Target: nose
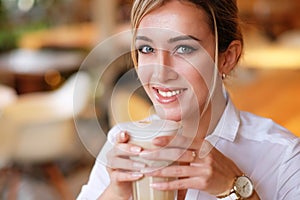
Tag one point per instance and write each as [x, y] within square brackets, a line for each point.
[163, 70]
[164, 58]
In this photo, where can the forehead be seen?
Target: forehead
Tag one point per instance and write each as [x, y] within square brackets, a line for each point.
[178, 16]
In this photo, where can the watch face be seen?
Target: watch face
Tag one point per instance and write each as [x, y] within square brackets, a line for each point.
[243, 186]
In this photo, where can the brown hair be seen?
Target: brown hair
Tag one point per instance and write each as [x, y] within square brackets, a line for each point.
[224, 11]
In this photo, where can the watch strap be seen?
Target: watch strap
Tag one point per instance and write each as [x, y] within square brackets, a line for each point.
[232, 194]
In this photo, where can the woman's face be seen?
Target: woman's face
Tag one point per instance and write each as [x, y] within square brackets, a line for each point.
[175, 50]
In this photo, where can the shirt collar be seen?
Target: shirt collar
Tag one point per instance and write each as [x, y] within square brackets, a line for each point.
[228, 125]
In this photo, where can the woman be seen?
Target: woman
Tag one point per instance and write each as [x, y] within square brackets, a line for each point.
[184, 49]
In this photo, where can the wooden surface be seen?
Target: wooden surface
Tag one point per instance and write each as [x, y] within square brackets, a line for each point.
[270, 93]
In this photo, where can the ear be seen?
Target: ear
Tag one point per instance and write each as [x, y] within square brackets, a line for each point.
[230, 57]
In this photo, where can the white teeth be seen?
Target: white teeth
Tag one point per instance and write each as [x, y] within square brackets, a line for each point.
[169, 93]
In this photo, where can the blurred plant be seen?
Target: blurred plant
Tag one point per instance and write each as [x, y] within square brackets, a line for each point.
[18, 17]
[21, 16]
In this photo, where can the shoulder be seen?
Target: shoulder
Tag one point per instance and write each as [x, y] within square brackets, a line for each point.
[262, 129]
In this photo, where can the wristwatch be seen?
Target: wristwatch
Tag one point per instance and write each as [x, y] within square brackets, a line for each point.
[242, 188]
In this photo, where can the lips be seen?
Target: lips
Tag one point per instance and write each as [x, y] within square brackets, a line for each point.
[166, 95]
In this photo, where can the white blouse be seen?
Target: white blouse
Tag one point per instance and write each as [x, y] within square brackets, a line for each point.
[266, 152]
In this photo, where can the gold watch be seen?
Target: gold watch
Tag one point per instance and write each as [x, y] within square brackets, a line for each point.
[242, 188]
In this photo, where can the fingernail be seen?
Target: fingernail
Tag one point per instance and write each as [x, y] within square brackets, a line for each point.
[145, 153]
[122, 135]
[135, 149]
[155, 185]
[156, 140]
[136, 174]
[160, 140]
[139, 165]
[147, 170]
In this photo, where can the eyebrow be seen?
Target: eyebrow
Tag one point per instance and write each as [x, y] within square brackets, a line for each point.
[143, 38]
[171, 40]
[183, 37]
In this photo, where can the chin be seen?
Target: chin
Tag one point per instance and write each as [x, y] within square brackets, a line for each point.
[172, 117]
[169, 114]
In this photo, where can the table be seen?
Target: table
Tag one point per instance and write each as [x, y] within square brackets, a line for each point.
[38, 70]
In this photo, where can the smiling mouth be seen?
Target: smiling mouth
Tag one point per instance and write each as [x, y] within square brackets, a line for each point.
[168, 94]
[165, 95]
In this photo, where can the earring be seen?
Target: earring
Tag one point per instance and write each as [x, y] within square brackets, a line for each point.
[224, 76]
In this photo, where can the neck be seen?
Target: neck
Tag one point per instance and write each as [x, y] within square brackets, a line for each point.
[208, 121]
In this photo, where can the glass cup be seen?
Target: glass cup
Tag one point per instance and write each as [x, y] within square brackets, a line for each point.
[142, 133]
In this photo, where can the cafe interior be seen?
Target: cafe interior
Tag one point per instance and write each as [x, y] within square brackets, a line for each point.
[66, 78]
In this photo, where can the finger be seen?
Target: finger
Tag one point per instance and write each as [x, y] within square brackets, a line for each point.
[203, 147]
[178, 171]
[118, 176]
[124, 149]
[125, 164]
[180, 184]
[169, 154]
[178, 141]
[122, 137]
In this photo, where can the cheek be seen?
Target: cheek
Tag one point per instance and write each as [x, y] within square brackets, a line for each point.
[203, 69]
[145, 73]
[198, 76]
[201, 90]
[197, 84]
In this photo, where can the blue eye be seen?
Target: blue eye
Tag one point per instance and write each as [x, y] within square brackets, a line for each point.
[146, 49]
[185, 49]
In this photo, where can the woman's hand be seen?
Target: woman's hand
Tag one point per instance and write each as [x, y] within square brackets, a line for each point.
[208, 171]
[121, 169]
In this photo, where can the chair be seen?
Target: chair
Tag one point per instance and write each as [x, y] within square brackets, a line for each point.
[39, 128]
[7, 96]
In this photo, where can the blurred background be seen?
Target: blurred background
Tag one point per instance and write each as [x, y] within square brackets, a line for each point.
[44, 43]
